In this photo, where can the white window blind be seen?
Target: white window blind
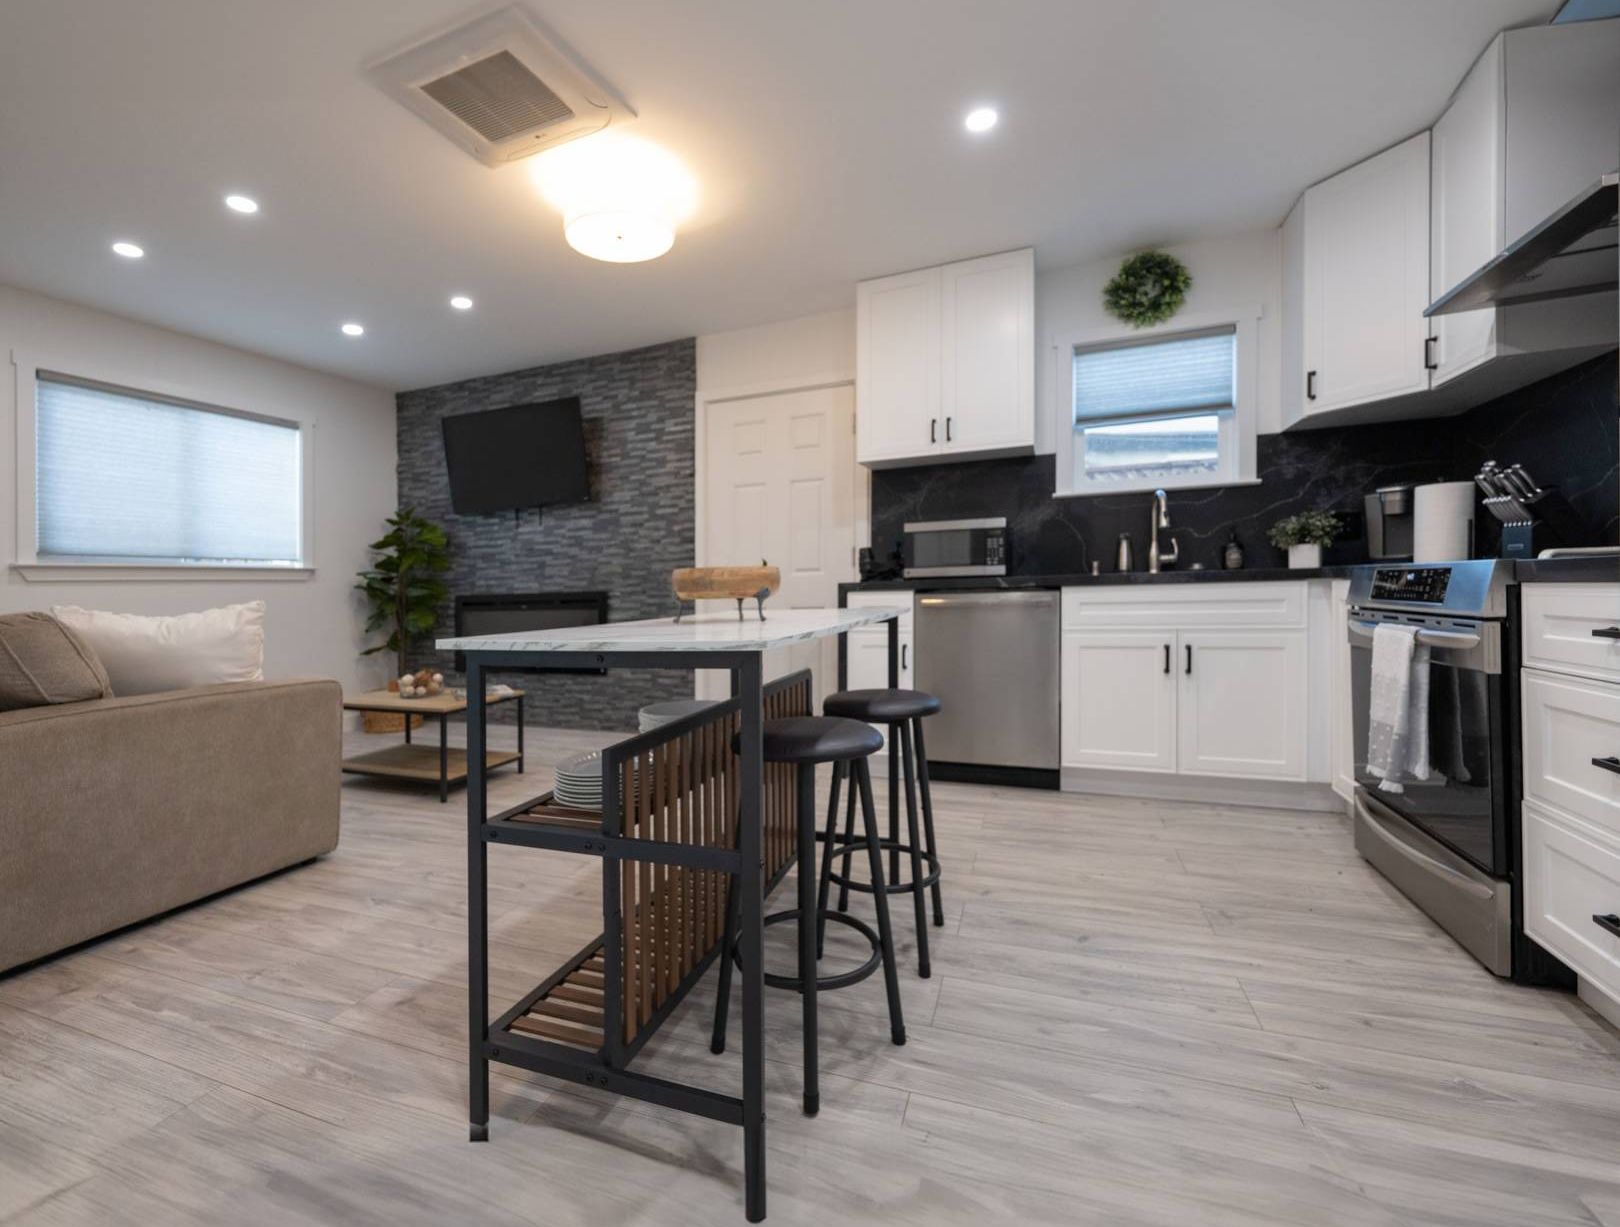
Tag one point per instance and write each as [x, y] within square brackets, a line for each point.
[1158, 411]
[121, 474]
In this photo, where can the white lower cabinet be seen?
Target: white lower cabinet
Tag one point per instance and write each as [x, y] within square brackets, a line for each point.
[1572, 898]
[1241, 704]
[867, 662]
[1226, 701]
[1119, 699]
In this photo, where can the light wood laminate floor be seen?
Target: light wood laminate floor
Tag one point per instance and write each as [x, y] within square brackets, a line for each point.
[1141, 1013]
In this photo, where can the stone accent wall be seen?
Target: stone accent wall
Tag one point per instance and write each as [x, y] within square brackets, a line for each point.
[638, 413]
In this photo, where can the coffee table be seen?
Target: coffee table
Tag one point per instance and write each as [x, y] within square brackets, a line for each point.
[410, 761]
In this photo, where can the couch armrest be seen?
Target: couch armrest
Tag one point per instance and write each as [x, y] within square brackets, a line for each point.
[118, 809]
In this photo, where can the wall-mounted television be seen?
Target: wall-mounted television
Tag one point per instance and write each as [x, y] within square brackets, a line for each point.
[517, 457]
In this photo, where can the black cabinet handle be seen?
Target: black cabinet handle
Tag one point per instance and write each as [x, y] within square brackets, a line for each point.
[1167, 658]
[1429, 364]
[904, 649]
[947, 430]
[1310, 385]
[1609, 923]
[1189, 657]
[933, 430]
[1608, 764]
[1606, 632]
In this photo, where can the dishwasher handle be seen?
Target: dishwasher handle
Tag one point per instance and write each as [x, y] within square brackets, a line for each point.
[968, 600]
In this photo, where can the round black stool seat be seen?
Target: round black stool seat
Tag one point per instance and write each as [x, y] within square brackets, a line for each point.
[881, 706]
[817, 739]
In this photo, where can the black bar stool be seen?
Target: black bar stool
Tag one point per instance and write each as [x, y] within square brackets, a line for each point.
[806, 741]
[903, 712]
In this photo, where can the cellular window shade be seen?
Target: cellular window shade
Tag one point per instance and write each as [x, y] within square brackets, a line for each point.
[122, 475]
[1188, 372]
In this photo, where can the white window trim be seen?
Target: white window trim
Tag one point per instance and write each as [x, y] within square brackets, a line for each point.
[1240, 428]
[33, 566]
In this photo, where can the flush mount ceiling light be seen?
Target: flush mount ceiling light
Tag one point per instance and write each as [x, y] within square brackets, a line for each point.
[980, 119]
[130, 251]
[242, 204]
[353, 330]
[621, 197]
[461, 302]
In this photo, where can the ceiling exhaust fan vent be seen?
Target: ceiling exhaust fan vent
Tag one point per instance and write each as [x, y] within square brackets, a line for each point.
[500, 88]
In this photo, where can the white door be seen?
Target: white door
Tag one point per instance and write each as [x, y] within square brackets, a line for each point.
[1367, 280]
[988, 379]
[1118, 699]
[779, 486]
[897, 362]
[1466, 226]
[1242, 703]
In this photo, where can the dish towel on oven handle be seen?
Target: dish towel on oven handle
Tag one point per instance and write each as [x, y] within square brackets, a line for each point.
[1398, 714]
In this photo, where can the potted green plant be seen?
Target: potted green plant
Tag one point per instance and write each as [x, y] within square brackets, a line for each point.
[1303, 535]
[403, 588]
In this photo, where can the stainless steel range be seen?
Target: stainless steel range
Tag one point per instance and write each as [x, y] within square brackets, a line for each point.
[1450, 843]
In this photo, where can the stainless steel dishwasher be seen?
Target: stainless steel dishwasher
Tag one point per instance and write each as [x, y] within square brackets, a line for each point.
[992, 658]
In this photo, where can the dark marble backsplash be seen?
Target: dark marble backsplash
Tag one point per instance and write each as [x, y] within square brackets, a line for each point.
[1565, 430]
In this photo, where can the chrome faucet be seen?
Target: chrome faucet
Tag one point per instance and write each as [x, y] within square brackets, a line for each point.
[1160, 519]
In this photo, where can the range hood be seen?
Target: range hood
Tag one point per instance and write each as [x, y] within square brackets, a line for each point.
[1571, 252]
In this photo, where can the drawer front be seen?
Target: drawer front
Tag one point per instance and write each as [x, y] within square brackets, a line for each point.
[1565, 625]
[1571, 874]
[1567, 723]
[871, 600]
[1193, 606]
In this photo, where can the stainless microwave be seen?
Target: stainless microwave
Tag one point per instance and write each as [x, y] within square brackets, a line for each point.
[937, 548]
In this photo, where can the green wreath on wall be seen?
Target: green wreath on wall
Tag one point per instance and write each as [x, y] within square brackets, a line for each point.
[1148, 289]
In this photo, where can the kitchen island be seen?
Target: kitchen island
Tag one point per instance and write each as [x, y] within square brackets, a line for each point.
[684, 821]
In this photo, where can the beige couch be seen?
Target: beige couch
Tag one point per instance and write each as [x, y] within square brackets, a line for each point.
[114, 810]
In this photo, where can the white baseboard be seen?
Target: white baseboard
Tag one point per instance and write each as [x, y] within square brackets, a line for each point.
[1600, 1000]
[1268, 794]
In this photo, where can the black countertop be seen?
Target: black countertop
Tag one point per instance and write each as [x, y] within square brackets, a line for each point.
[1587, 570]
[989, 583]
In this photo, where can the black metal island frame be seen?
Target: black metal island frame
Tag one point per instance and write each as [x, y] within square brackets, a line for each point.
[685, 822]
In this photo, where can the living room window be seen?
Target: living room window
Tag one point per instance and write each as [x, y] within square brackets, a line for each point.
[133, 477]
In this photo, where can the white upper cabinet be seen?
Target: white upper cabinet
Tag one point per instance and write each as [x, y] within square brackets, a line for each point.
[1363, 247]
[945, 361]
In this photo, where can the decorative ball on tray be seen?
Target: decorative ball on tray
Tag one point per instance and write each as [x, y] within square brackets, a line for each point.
[421, 684]
[1148, 289]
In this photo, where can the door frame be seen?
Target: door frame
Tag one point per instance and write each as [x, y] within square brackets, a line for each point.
[862, 478]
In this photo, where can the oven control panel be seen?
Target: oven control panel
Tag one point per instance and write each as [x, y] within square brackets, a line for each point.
[1424, 585]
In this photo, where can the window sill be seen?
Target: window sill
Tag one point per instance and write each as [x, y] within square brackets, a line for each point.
[51, 571]
[1168, 488]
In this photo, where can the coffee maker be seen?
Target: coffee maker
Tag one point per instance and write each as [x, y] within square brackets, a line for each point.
[1389, 523]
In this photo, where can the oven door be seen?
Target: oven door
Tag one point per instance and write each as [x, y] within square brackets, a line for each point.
[1463, 803]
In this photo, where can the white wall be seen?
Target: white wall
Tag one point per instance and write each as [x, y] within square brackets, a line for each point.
[811, 347]
[1230, 273]
[312, 625]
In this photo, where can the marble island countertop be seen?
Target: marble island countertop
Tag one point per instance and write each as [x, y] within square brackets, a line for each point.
[708, 631]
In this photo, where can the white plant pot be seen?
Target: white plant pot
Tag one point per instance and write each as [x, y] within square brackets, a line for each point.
[1304, 556]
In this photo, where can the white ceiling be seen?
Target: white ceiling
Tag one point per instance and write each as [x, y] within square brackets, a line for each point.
[826, 137]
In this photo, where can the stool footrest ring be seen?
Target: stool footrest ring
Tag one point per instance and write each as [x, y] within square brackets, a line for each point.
[853, 848]
[844, 978]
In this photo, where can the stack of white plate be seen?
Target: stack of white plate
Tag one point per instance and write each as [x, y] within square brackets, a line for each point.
[579, 781]
[656, 715]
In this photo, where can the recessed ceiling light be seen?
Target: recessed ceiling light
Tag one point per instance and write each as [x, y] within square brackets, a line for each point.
[353, 330]
[129, 251]
[242, 204]
[980, 119]
[461, 302]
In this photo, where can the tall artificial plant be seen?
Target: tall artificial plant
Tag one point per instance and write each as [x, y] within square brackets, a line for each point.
[403, 588]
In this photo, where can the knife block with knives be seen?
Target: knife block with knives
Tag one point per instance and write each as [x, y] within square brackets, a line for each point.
[1534, 517]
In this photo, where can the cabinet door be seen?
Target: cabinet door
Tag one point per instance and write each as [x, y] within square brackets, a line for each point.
[1242, 703]
[897, 367]
[1466, 227]
[1367, 280]
[1118, 699]
[1343, 714]
[988, 377]
[867, 663]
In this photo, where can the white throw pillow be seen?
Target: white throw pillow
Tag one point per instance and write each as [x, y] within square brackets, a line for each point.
[144, 655]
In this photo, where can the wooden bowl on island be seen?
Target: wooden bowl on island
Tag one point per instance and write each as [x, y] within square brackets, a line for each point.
[724, 584]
